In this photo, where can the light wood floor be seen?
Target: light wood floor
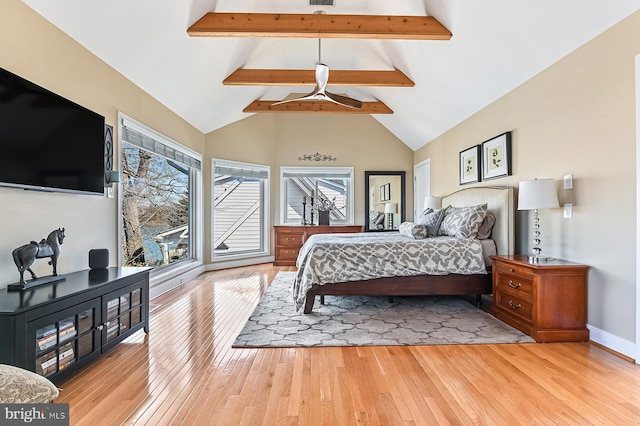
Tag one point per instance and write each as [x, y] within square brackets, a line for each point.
[185, 372]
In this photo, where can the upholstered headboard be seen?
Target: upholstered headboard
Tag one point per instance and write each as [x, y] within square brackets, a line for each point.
[500, 201]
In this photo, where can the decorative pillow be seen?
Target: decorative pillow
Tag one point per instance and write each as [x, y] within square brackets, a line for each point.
[379, 219]
[431, 219]
[375, 220]
[484, 232]
[463, 222]
[19, 386]
[413, 230]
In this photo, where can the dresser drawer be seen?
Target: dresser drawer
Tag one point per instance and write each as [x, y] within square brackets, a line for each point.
[508, 268]
[517, 285]
[287, 253]
[289, 239]
[514, 305]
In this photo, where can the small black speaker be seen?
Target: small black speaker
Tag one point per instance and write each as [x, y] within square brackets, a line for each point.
[98, 258]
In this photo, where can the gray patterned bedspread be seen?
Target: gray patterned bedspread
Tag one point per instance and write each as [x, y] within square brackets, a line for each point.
[332, 258]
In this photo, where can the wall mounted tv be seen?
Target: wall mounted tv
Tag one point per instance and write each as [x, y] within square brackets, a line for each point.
[47, 142]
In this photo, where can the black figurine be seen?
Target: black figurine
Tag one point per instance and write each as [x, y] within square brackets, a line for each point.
[25, 255]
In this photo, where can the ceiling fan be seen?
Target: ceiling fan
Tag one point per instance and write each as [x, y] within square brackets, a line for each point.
[320, 93]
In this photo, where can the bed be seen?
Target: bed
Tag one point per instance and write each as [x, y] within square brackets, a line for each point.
[373, 271]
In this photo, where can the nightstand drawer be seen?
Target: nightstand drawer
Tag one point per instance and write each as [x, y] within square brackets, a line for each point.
[509, 268]
[514, 305]
[517, 285]
[289, 239]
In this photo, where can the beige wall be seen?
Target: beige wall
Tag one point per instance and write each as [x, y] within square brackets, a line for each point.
[36, 50]
[279, 139]
[577, 117]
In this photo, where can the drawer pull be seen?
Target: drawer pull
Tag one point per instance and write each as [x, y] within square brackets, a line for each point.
[518, 306]
[514, 286]
[511, 270]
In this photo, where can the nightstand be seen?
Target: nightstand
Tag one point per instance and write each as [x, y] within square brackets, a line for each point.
[546, 300]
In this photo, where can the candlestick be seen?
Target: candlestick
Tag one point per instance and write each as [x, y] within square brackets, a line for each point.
[311, 209]
[304, 211]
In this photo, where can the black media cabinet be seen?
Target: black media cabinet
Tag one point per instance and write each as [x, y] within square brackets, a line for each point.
[56, 329]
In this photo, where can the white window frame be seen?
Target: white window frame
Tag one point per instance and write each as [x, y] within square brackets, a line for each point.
[318, 170]
[266, 217]
[196, 211]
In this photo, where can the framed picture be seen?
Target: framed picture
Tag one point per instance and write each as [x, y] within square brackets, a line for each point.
[496, 157]
[470, 165]
[385, 192]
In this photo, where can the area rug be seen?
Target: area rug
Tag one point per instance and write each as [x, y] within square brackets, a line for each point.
[370, 321]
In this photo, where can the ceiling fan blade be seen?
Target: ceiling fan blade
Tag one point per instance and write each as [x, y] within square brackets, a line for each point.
[344, 100]
[313, 96]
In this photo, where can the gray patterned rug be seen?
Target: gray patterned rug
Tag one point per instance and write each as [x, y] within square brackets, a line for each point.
[370, 321]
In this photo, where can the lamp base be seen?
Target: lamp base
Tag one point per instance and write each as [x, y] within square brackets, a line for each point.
[539, 259]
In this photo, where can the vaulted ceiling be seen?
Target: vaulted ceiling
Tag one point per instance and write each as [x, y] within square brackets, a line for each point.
[495, 46]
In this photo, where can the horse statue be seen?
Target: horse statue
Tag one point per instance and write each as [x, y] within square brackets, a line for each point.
[25, 255]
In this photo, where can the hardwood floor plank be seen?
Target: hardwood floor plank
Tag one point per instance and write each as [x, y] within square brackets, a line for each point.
[185, 372]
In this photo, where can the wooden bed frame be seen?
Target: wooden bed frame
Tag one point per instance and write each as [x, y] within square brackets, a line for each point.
[500, 201]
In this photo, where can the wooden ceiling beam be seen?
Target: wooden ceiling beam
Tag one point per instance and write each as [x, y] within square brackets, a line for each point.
[216, 24]
[317, 107]
[276, 77]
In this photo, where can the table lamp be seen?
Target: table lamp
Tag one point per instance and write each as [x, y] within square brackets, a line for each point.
[432, 202]
[534, 195]
[389, 210]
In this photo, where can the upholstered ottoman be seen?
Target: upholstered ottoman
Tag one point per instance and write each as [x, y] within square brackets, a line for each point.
[19, 386]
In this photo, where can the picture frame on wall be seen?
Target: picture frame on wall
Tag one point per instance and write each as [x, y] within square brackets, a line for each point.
[470, 165]
[496, 157]
[385, 192]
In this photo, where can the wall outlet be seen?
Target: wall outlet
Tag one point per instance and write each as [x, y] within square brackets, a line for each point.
[568, 181]
[568, 211]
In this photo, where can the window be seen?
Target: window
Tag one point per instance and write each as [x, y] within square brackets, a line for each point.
[160, 178]
[240, 209]
[298, 184]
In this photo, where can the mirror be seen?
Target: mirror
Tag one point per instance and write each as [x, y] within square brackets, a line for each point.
[384, 200]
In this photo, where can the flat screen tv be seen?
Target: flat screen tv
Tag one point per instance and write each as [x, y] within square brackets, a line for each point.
[47, 142]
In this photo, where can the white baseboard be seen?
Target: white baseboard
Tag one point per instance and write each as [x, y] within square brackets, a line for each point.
[162, 284]
[615, 343]
[238, 262]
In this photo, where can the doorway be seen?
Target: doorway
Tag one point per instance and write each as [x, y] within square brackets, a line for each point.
[421, 185]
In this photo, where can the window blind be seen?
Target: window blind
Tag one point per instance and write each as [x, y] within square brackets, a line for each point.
[146, 141]
[241, 172]
[317, 175]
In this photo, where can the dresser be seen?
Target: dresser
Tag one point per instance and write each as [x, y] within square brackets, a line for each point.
[289, 239]
[546, 300]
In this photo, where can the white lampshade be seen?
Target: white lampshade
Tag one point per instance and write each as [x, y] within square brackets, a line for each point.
[432, 202]
[537, 194]
[390, 207]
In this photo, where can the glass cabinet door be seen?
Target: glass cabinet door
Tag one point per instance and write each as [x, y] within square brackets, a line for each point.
[61, 339]
[123, 311]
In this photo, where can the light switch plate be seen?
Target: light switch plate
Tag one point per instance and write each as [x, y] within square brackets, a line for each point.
[568, 211]
[568, 181]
